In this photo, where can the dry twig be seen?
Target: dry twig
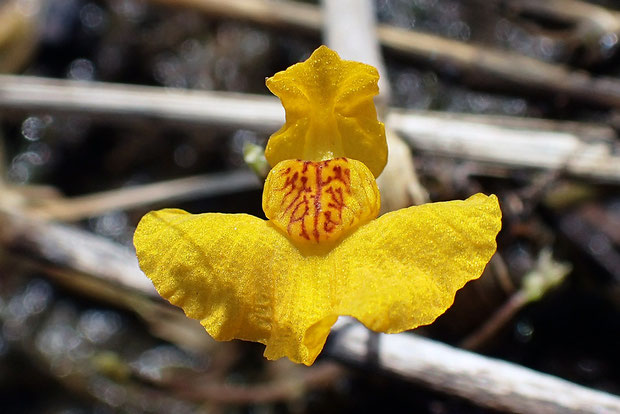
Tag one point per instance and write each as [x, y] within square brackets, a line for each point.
[113, 102]
[68, 247]
[350, 30]
[592, 25]
[546, 274]
[97, 268]
[580, 149]
[321, 375]
[485, 381]
[506, 147]
[18, 33]
[476, 64]
[77, 208]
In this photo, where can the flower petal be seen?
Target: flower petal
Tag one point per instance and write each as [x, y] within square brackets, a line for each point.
[237, 274]
[329, 112]
[414, 260]
[242, 278]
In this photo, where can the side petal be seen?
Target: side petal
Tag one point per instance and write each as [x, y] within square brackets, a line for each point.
[205, 264]
[414, 260]
[240, 276]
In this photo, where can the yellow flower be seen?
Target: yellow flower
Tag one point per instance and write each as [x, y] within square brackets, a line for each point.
[284, 282]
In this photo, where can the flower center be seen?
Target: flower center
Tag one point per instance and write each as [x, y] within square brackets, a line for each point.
[317, 201]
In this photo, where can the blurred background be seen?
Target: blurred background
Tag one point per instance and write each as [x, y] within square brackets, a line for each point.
[112, 108]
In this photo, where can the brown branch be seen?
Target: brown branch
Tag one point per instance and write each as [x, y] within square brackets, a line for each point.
[63, 247]
[580, 149]
[77, 208]
[568, 10]
[590, 22]
[18, 33]
[275, 13]
[68, 247]
[3, 164]
[350, 29]
[496, 322]
[117, 102]
[485, 381]
[498, 145]
[97, 268]
[476, 64]
[321, 375]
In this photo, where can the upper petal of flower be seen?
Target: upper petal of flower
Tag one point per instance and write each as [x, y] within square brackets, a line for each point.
[243, 278]
[329, 112]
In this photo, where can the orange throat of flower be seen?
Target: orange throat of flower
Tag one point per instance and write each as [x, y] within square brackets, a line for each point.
[319, 201]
